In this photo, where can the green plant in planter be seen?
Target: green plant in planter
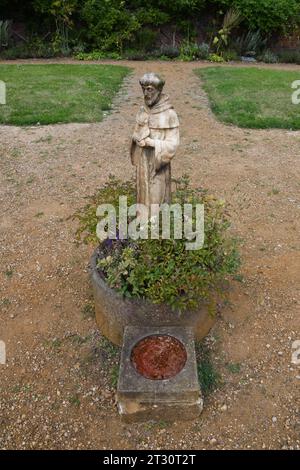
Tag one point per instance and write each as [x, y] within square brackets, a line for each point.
[163, 271]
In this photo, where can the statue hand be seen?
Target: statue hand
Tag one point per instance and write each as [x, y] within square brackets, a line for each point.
[149, 142]
[141, 143]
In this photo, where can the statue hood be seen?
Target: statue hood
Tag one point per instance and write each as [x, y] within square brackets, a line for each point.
[160, 116]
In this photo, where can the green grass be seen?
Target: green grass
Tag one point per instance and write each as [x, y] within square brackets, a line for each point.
[252, 97]
[54, 93]
[208, 375]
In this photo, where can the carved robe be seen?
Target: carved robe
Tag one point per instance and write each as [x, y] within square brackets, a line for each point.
[153, 168]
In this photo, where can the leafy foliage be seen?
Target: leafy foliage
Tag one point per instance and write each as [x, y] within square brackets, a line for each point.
[231, 20]
[97, 55]
[109, 23]
[163, 271]
[193, 51]
[35, 48]
[4, 33]
[172, 52]
[203, 51]
[249, 44]
[269, 57]
[118, 25]
[61, 11]
[289, 57]
[266, 15]
[230, 55]
[215, 58]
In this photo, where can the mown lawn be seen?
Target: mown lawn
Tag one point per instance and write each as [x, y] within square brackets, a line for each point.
[50, 94]
[252, 97]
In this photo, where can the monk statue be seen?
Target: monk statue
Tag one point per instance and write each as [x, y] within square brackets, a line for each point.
[154, 143]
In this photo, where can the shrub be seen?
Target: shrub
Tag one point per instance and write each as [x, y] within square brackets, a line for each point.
[231, 20]
[117, 24]
[172, 52]
[97, 55]
[5, 33]
[145, 39]
[133, 54]
[266, 15]
[250, 44]
[193, 51]
[188, 51]
[79, 48]
[269, 57]
[150, 15]
[203, 51]
[15, 52]
[230, 55]
[163, 271]
[33, 49]
[215, 58]
[289, 57]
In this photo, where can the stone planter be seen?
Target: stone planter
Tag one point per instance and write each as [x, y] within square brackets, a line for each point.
[114, 313]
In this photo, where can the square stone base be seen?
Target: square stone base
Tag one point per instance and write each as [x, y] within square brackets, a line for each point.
[174, 399]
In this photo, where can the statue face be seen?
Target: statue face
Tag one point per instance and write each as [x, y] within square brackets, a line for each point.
[151, 95]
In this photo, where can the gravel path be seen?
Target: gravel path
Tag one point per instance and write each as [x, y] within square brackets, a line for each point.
[56, 390]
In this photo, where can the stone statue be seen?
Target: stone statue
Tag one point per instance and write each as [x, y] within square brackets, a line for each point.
[154, 143]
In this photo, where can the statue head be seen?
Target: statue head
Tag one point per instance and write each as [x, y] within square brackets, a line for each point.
[152, 86]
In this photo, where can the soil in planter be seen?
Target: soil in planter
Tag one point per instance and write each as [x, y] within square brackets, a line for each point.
[159, 357]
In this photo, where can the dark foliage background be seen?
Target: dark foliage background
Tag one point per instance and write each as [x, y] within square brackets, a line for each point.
[118, 25]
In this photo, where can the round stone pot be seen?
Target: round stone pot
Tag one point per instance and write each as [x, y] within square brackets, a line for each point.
[114, 312]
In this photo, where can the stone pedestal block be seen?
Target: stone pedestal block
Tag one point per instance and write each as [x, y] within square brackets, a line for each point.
[174, 399]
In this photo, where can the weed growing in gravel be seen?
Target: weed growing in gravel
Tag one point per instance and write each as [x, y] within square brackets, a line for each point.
[234, 368]
[114, 375]
[209, 377]
[88, 311]
[109, 348]
[273, 192]
[8, 273]
[74, 400]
